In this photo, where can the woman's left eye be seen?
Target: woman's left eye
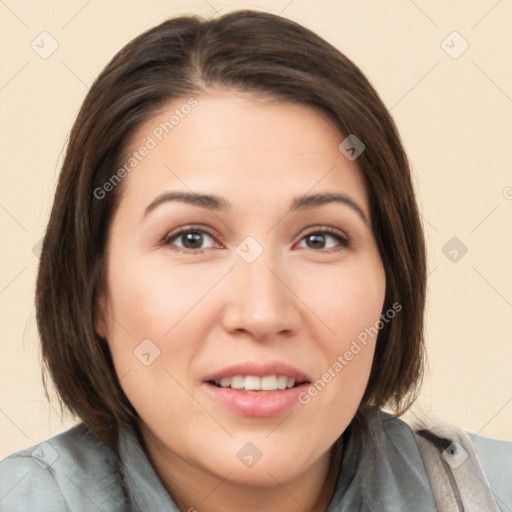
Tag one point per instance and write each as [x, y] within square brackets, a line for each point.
[320, 239]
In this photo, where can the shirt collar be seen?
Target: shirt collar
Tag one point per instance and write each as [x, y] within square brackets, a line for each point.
[144, 489]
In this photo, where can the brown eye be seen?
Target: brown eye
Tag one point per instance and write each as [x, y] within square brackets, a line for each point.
[324, 239]
[316, 241]
[190, 240]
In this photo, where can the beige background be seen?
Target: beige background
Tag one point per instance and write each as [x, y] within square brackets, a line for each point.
[455, 117]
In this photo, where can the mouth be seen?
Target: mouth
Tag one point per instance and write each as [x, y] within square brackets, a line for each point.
[252, 389]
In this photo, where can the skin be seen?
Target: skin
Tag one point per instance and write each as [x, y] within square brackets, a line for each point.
[297, 302]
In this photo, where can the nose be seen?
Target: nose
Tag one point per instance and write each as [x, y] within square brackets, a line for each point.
[261, 301]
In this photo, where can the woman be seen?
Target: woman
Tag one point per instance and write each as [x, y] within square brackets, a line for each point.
[232, 288]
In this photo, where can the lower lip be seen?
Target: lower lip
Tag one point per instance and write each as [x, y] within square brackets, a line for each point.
[263, 404]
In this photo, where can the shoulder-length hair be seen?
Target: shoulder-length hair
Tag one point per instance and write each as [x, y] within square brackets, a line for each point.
[244, 51]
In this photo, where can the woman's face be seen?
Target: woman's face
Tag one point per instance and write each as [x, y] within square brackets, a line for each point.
[208, 299]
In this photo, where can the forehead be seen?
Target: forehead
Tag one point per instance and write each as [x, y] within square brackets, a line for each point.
[236, 144]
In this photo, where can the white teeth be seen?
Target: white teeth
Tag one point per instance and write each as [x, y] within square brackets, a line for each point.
[237, 382]
[253, 383]
[282, 381]
[225, 382]
[269, 383]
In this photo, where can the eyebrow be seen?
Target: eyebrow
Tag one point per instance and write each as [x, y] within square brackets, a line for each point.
[308, 202]
[203, 200]
[216, 203]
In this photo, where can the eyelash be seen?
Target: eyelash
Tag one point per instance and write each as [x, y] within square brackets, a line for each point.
[166, 241]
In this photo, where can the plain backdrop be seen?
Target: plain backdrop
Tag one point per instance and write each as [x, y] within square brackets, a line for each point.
[442, 68]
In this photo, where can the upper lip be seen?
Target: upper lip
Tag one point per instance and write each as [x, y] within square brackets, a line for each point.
[259, 370]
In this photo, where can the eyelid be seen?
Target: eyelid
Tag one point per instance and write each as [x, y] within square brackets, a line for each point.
[342, 237]
[195, 228]
[187, 229]
[324, 229]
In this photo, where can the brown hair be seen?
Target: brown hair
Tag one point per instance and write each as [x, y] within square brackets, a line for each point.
[245, 51]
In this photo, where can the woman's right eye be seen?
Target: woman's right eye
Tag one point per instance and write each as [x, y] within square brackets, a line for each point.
[189, 240]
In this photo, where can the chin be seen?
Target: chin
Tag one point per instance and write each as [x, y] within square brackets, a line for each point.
[261, 463]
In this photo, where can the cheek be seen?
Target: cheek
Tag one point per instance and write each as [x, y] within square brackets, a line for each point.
[352, 312]
[149, 298]
[147, 306]
[154, 310]
[347, 300]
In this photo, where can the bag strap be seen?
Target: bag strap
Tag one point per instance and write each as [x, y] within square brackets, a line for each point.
[456, 476]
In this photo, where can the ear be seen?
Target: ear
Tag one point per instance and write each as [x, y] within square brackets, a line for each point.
[100, 317]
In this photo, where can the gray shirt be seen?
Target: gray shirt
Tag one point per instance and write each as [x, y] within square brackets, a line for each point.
[381, 471]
